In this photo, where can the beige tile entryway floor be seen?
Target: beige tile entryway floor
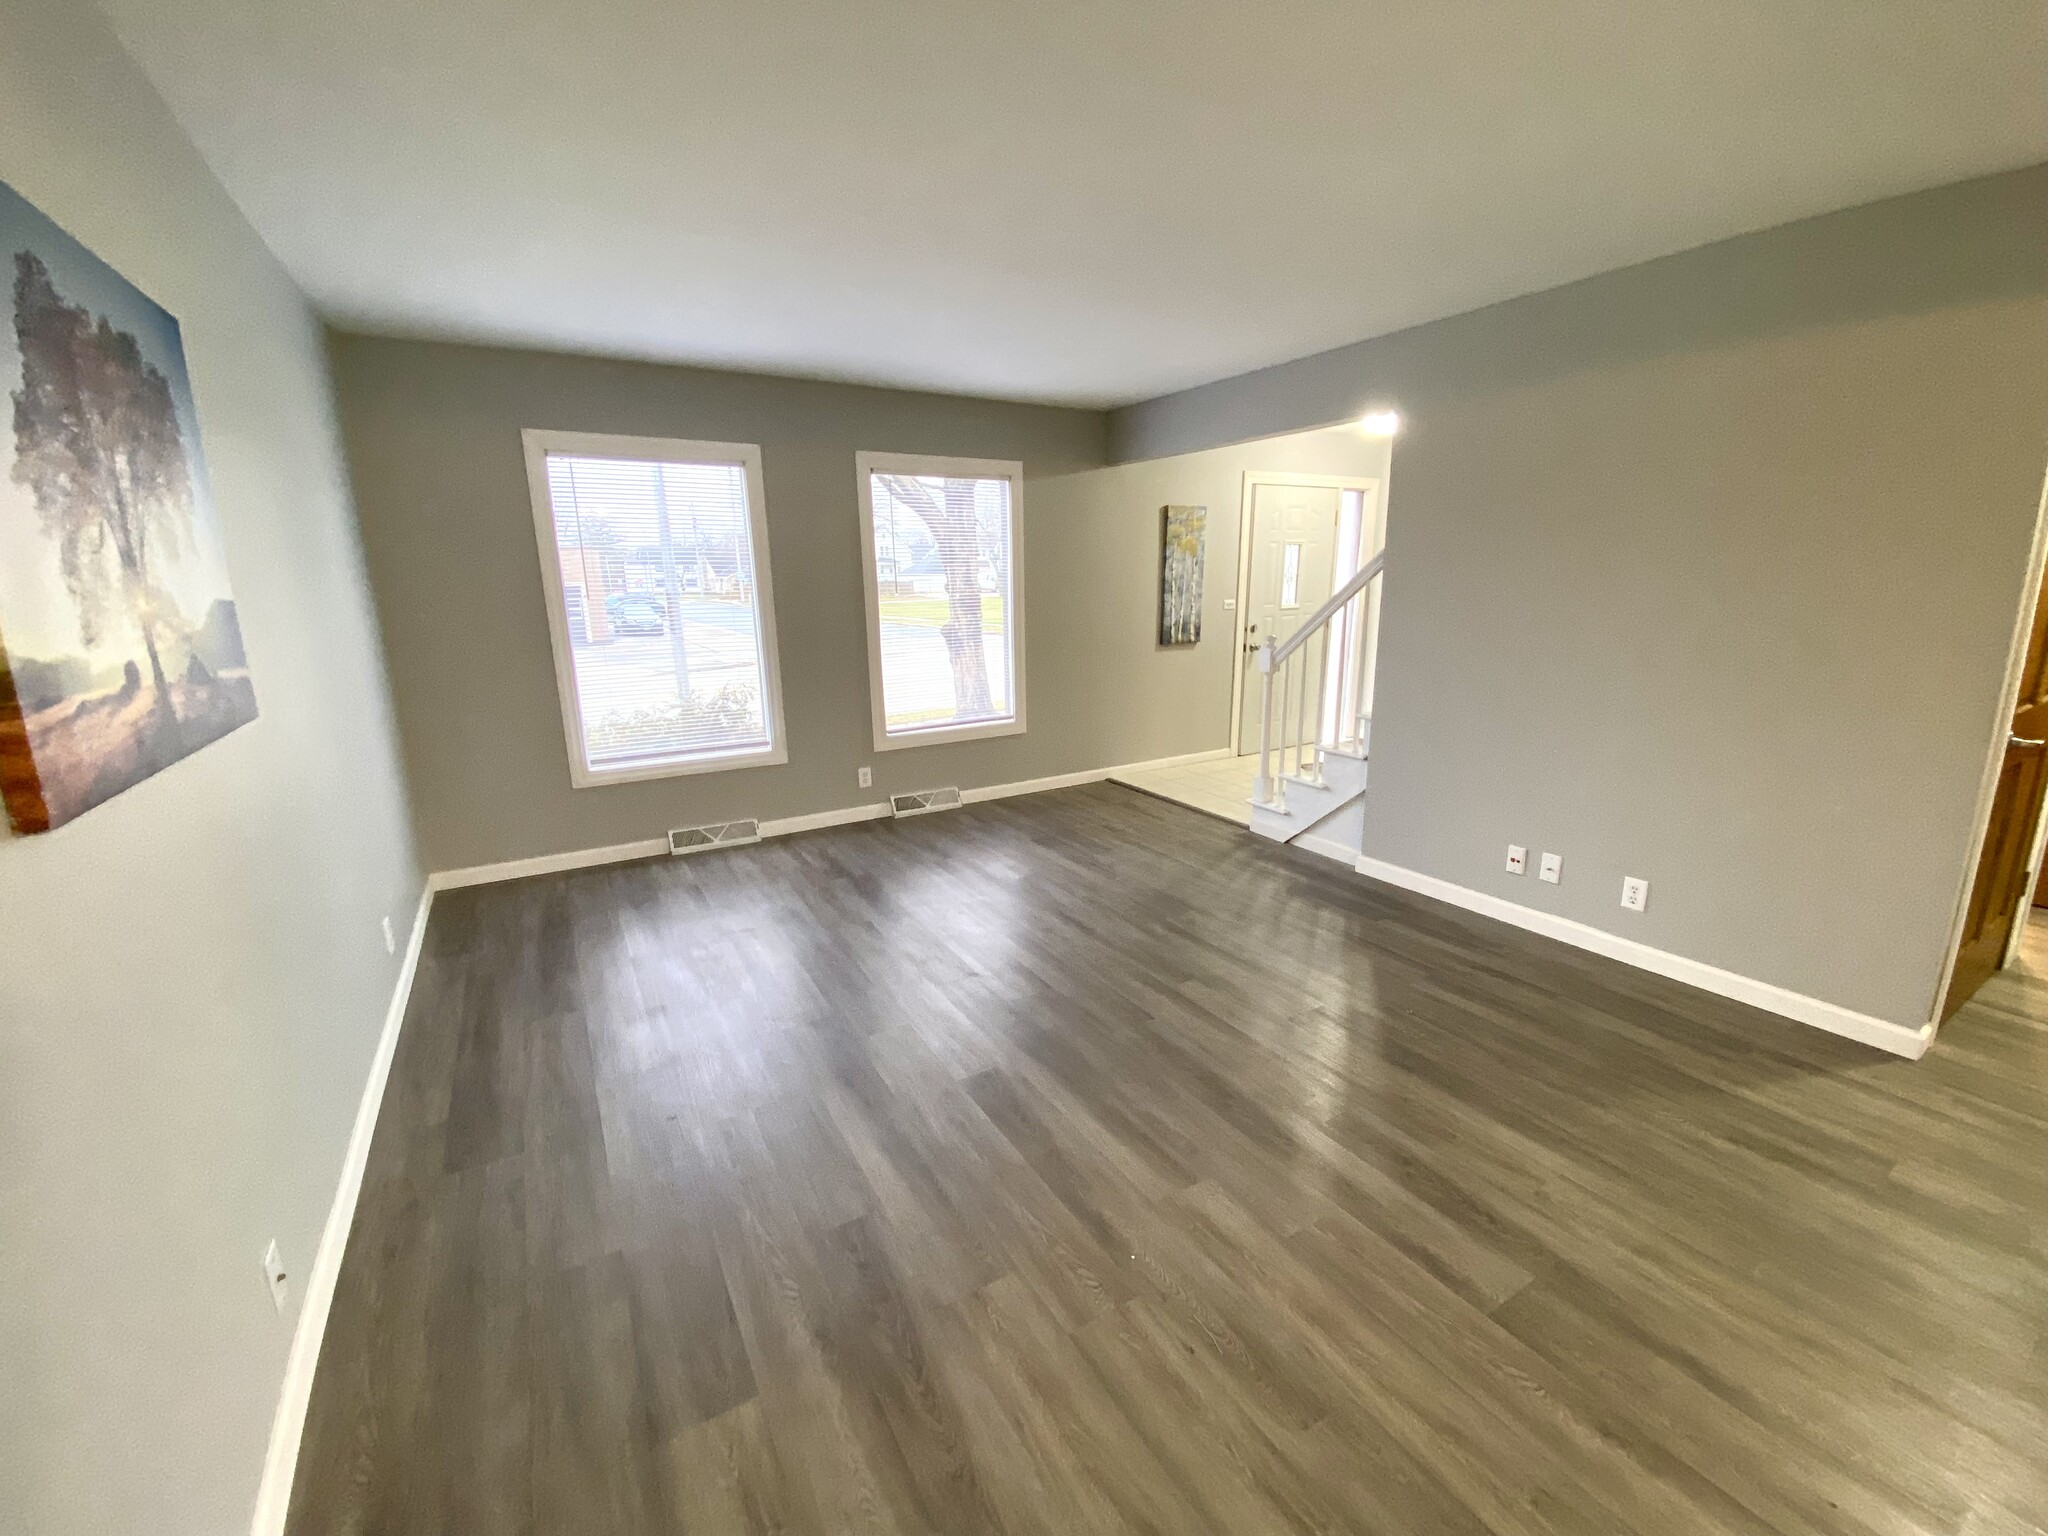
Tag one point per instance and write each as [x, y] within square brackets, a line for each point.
[1221, 786]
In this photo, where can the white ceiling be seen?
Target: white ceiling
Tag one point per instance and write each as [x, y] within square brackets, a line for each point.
[1048, 199]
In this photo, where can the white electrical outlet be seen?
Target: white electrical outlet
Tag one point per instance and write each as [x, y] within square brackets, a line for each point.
[1518, 859]
[390, 938]
[1552, 868]
[1635, 894]
[867, 778]
[273, 1275]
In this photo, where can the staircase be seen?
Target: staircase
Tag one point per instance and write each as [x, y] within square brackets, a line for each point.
[1315, 723]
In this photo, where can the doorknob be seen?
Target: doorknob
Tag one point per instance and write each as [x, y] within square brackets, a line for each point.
[2021, 741]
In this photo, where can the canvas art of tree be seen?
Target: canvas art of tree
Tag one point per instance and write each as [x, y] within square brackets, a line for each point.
[1180, 574]
[120, 646]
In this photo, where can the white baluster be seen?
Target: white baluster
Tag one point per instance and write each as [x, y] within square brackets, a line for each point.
[1333, 697]
[1300, 709]
[1298, 661]
[1368, 605]
[1289, 671]
[1262, 786]
[1329, 703]
[1354, 665]
[1301, 726]
[1347, 683]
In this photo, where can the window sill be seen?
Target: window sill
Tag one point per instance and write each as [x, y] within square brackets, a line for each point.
[886, 741]
[597, 778]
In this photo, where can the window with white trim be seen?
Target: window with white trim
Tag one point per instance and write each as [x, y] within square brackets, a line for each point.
[654, 557]
[942, 543]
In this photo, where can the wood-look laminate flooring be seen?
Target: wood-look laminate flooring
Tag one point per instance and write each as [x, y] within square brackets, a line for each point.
[1078, 1163]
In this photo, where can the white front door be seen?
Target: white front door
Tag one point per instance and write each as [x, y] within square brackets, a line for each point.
[1292, 573]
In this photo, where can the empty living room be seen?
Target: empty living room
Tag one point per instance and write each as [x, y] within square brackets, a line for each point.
[1024, 768]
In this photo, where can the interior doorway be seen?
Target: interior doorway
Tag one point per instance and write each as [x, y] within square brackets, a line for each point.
[2008, 877]
[1302, 537]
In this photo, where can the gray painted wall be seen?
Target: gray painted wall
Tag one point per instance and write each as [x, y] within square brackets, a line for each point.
[433, 435]
[192, 978]
[1706, 571]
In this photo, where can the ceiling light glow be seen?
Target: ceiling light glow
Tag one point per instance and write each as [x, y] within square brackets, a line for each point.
[1380, 423]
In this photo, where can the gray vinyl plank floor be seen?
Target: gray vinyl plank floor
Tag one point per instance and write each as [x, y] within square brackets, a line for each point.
[1079, 1163]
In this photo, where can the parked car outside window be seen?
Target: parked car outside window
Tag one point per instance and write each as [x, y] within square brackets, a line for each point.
[633, 615]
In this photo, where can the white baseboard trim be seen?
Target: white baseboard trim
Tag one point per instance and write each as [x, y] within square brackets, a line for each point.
[784, 825]
[654, 847]
[1900, 1039]
[1328, 847]
[1088, 776]
[1214, 754]
[1031, 786]
[274, 1493]
[546, 864]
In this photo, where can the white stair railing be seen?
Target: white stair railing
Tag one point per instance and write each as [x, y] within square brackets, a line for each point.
[1315, 689]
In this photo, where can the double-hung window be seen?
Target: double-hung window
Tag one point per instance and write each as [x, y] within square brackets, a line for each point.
[654, 557]
[942, 542]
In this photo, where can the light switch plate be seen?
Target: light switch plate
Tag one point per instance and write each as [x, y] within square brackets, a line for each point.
[1518, 859]
[1552, 868]
[1635, 893]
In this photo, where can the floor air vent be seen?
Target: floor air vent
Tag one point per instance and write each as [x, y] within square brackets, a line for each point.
[921, 801]
[716, 834]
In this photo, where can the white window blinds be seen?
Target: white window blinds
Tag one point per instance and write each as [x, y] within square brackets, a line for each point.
[944, 600]
[669, 650]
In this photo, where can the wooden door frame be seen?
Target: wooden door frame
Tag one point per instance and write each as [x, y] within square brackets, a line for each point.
[1994, 759]
[2038, 843]
[1375, 486]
